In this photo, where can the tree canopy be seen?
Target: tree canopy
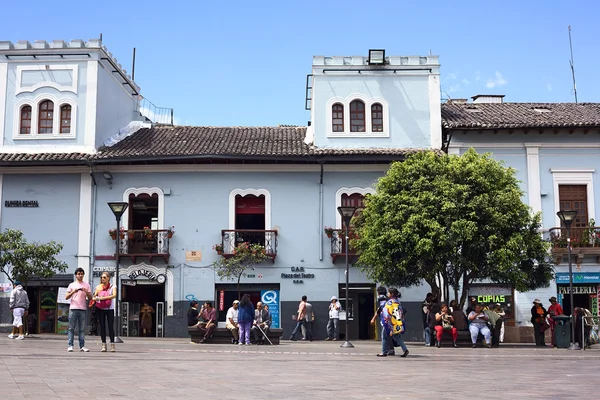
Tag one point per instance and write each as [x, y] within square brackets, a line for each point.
[244, 257]
[454, 220]
[22, 260]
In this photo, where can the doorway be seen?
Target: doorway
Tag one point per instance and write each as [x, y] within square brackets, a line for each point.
[153, 294]
[360, 309]
[579, 300]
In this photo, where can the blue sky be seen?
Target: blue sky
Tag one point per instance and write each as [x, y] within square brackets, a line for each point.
[245, 63]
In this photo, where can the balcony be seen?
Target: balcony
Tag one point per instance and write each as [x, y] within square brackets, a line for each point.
[338, 245]
[584, 242]
[230, 238]
[145, 243]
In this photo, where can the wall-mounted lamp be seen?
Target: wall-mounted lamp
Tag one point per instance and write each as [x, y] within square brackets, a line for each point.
[108, 178]
[376, 57]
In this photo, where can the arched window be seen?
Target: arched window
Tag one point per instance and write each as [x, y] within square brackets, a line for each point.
[357, 116]
[46, 117]
[65, 119]
[376, 118]
[25, 127]
[337, 111]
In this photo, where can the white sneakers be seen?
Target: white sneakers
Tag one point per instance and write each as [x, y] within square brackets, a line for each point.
[70, 349]
[20, 337]
[84, 349]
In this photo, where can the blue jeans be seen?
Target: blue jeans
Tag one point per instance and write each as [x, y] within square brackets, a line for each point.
[485, 331]
[77, 317]
[427, 332]
[297, 328]
[332, 328]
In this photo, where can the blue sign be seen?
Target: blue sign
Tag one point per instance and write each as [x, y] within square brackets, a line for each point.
[579, 278]
[271, 298]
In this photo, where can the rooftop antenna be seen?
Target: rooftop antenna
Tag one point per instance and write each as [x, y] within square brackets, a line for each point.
[133, 66]
[572, 67]
[100, 37]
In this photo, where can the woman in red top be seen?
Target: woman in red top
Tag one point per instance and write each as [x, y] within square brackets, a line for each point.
[554, 310]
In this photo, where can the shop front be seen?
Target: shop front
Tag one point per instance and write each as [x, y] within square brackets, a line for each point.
[266, 293]
[586, 291]
[491, 295]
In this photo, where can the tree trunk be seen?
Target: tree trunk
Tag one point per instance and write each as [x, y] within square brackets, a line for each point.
[238, 285]
[435, 289]
[465, 289]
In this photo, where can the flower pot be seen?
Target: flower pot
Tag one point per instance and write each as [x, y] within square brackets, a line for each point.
[170, 234]
[329, 235]
[220, 252]
[149, 236]
[113, 236]
[122, 235]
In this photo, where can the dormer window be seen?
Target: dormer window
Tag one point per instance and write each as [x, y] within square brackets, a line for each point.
[357, 116]
[46, 117]
[376, 118]
[65, 118]
[25, 124]
[337, 111]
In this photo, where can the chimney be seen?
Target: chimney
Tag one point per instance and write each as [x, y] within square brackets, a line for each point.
[488, 98]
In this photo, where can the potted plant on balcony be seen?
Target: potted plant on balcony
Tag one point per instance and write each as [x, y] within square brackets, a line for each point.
[170, 231]
[113, 234]
[329, 231]
[218, 248]
[148, 232]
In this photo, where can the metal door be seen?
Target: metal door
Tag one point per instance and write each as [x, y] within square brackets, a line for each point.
[160, 319]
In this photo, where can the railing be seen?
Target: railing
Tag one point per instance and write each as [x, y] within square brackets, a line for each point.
[145, 243]
[338, 243]
[230, 238]
[159, 115]
[580, 237]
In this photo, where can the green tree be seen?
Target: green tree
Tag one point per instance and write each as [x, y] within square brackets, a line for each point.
[455, 220]
[235, 266]
[22, 260]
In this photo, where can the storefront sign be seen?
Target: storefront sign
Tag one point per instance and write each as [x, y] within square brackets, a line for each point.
[577, 290]
[490, 294]
[298, 275]
[193, 255]
[143, 272]
[62, 296]
[97, 271]
[221, 300]
[578, 277]
[21, 203]
[6, 287]
[271, 298]
[128, 282]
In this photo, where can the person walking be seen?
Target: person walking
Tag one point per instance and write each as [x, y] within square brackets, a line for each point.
[104, 294]
[310, 318]
[245, 319]
[18, 304]
[79, 293]
[300, 317]
[392, 318]
[334, 319]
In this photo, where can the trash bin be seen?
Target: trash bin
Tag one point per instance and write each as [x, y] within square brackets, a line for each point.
[562, 331]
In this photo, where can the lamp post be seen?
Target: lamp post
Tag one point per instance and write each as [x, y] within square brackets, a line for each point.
[118, 208]
[347, 213]
[567, 217]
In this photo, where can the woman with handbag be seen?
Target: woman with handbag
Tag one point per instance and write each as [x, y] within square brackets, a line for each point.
[103, 296]
[538, 319]
[445, 322]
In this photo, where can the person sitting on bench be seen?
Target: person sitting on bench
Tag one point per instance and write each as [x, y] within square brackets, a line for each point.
[208, 315]
[479, 324]
[445, 322]
[262, 319]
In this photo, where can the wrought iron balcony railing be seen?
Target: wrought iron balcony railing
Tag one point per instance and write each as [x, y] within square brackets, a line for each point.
[136, 243]
[338, 244]
[584, 242]
[230, 238]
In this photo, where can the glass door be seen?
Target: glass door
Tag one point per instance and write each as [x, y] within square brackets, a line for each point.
[160, 319]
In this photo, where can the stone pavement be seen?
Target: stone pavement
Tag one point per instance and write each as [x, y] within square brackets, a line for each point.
[146, 368]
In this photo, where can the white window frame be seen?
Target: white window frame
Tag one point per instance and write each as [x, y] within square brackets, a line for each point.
[348, 191]
[244, 193]
[74, 68]
[35, 110]
[368, 133]
[149, 191]
[574, 177]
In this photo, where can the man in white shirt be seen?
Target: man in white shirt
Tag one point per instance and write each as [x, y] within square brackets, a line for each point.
[232, 322]
[334, 318]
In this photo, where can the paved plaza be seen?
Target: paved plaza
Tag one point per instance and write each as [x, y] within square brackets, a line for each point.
[41, 368]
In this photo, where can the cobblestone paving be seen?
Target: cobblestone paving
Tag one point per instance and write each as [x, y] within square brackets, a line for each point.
[41, 368]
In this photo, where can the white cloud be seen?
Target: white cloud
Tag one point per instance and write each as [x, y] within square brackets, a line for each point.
[466, 82]
[451, 76]
[549, 87]
[497, 81]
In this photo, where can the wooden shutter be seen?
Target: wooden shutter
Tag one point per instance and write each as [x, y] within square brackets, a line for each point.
[574, 197]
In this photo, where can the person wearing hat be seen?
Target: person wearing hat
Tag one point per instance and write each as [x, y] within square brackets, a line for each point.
[554, 310]
[500, 311]
[538, 319]
[18, 304]
[232, 322]
[334, 318]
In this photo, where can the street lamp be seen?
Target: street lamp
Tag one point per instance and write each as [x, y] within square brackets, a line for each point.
[118, 208]
[347, 213]
[567, 217]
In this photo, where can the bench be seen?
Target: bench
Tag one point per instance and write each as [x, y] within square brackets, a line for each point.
[223, 336]
[464, 336]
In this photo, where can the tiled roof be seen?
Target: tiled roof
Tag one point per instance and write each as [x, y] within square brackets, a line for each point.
[267, 142]
[520, 115]
[42, 157]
